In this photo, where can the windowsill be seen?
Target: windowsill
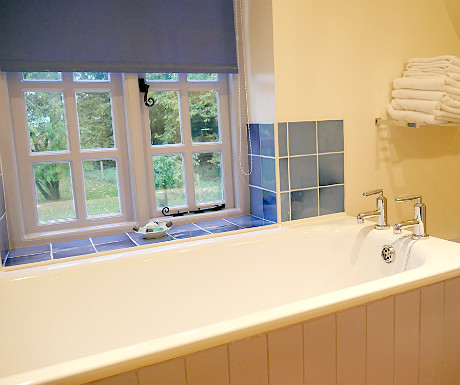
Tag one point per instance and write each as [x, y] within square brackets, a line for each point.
[96, 245]
[39, 238]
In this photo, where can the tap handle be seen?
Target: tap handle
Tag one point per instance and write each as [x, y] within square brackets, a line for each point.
[410, 198]
[373, 192]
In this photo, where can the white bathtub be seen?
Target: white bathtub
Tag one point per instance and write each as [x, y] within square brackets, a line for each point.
[77, 321]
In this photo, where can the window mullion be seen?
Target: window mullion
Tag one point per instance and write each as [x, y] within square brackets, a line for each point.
[187, 139]
[75, 153]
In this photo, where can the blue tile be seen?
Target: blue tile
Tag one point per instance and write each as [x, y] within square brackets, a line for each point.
[282, 139]
[302, 138]
[255, 178]
[189, 234]
[109, 239]
[72, 252]
[270, 213]
[257, 208]
[330, 136]
[285, 207]
[304, 204]
[303, 172]
[330, 169]
[268, 174]
[254, 139]
[139, 239]
[45, 256]
[267, 139]
[24, 251]
[284, 174]
[181, 228]
[71, 244]
[3, 255]
[248, 221]
[218, 226]
[115, 245]
[331, 200]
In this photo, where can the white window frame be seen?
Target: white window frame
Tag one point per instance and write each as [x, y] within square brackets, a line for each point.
[187, 147]
[135, 181]
[74, 155]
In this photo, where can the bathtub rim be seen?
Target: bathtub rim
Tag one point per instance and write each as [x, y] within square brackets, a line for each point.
[158, 350]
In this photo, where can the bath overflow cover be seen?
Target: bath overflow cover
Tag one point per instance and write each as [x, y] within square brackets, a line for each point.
[388, 253]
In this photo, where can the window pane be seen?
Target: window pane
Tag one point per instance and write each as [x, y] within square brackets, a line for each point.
[91, 76]
[161, 77]
[164, 118]
[46, 120]
[203, 116]
[42, 76]
[202, 77]
[95, 119]
[101, 187]
[54, 193]
[169, 180]
[207, 173]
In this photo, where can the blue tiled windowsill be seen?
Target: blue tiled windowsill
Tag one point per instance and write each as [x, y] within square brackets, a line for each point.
[62, 250]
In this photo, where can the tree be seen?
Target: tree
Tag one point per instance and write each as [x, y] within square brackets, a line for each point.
[47, 131]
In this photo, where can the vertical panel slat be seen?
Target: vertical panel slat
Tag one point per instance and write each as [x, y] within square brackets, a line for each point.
[380, 332]
[320, 349]
[127, 378]
[285, 356]
[452, 333]
[208, 367]
[431, 334]
[170, 372]
[407, 344]
[351, 346]
[248, 361]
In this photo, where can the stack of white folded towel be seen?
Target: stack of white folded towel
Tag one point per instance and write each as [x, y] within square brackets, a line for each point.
[428, 92]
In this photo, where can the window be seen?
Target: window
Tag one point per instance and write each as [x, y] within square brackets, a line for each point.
[75, 155]
[71, 149]
[189, 141]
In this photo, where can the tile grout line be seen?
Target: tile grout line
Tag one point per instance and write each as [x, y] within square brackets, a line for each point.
[92, 244]
[129, 236]
[289, 172]
[317, 164]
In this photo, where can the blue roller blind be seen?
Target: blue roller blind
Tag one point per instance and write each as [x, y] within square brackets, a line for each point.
[117, 35]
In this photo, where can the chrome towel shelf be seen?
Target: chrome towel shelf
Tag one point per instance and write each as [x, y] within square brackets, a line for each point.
[390, 122]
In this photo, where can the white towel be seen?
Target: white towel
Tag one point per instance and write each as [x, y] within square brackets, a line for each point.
[413, 116]
[426, 74]
[441, 66]
[441, 83]
[448, 116]
[447, 58]
[427, 106]
[447, 98]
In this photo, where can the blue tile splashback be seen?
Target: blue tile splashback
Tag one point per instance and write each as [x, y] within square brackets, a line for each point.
[268, 174]
[60, 250]
[282, 139]
[304, 204]
[267, 139]
[331, 199]
[330, 136]
[303, 172]
[311, 159]
[330, 168]
[262, 180]
[254, 139]
[302, 138]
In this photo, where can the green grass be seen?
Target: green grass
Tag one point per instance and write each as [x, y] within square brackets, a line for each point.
[101, 197]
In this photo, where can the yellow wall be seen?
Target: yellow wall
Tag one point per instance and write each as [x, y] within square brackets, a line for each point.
[336, 59]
